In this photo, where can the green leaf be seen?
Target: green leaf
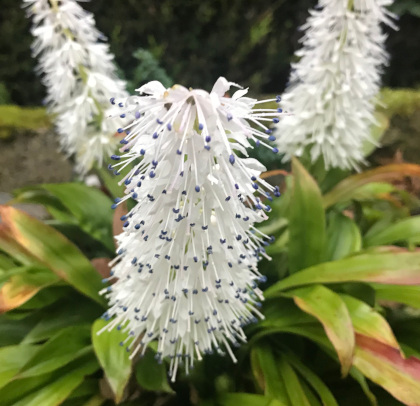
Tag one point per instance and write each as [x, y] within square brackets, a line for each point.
[388, 268]
[368, 322]
[312, 378]
[409, 295]
[403, 230]
[113, 358]
[69, 344]
[266, 372]
[385, 366]
[89, 206]
[24, 283]
[75, 310]
[12, 359]
[343, 237]
[293, 387]
[38, 195]
[31, 241]
[331, 311]
[247, 399]
[151, 375]
[55, 393]
[306, 221]
[345, 190]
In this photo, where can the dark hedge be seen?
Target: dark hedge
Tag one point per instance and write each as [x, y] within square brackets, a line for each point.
[195, 41]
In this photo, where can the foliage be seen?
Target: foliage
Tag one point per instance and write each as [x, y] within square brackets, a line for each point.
[14, 118]
[195, 42]
[339, 298]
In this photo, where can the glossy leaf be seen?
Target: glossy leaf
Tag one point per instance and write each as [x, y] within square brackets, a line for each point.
[332, 313]
[12, 359]
[30, 240]
[293, 386]
[385, 366]
[369, 322]
[69, 344]
[113, 358]
[266, 372]
[75, 310]
[312, 378]
[403, 230]
[409, 295]
[56, 392]
[344, 190]
[306, 221]
[248, 399]
[89, 206]
[343, 237]
[152, 375]
[23, 285]
[388, 267]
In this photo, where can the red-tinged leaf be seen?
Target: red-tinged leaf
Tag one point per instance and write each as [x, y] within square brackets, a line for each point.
[306, 221]
[345, 189]
[369, 322]
[23, 286]
[25, 237]
[330, 310]
[399, 267]
[385, 366]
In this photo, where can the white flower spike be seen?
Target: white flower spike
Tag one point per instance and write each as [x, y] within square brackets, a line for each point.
[186, 271]
[333, 86]
[79, 74]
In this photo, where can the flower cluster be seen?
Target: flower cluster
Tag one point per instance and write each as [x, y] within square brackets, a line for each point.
[79, 74]
[186, 271]
[333, 86]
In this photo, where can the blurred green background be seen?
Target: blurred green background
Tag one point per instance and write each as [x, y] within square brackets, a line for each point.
[195, 41]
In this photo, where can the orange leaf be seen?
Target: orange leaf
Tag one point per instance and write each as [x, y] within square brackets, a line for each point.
[345, 189]
[385, 366]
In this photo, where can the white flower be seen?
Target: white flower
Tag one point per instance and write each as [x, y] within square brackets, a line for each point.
[186, 272]
[79, 74]
[333, 86]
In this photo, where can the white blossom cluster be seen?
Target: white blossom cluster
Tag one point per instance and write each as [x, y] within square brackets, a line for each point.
[186, 271]
[333, 86]
[79, 74]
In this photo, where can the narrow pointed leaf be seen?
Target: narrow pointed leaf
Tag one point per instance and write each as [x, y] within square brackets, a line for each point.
[403, 230]
[293, 386]
[409, 295]
[32, 241]
[68, 345]
[312, 378]
[385, 366]
[331, 311]
[248, 399]
[343, 237]
[113, 358]
[369, 322]
[306, 221]
[345, 189]
[23, 285]
[56, 392]
[89, 206]
[12, 359]
[267, 374]
[400, 267]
